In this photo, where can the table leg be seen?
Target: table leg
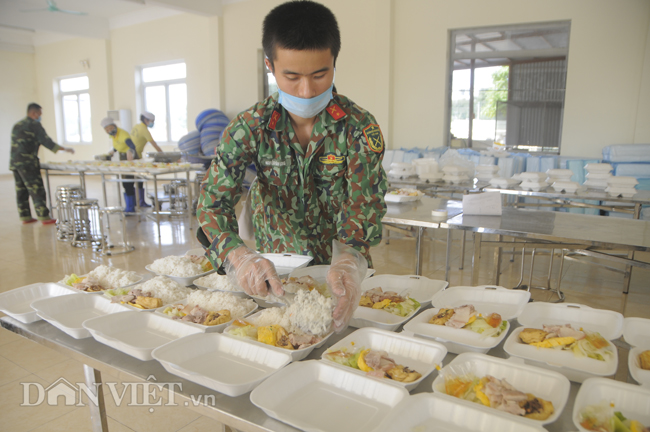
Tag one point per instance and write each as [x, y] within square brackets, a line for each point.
[497, 261]
[462, 249]
[418, 251]
[119, 195]
[191, 199]
[476, 258]
[156, 209]
[82, 182]
[49, 192]
[104, 190]
[448, 257]
[630, 255]
[98, 417]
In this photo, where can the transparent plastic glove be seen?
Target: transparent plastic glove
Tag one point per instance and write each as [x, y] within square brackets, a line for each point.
[344, 278]
[253, 273]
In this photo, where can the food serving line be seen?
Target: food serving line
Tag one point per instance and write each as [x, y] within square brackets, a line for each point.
[141, 175]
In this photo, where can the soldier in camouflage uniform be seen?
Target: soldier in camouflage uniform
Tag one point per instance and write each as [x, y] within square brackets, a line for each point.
[26, 138]
[318, 158]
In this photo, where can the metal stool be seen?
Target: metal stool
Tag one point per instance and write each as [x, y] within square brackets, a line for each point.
[178, 196]
[87, 224]
[65, 195]
[107, 247]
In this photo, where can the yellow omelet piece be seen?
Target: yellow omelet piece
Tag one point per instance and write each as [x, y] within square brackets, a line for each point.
[382, 304]
[362, 361]
[267, 335]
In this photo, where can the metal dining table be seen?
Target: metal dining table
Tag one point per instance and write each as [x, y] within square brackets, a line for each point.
[587, 235]
[418, 214]
[237, 412]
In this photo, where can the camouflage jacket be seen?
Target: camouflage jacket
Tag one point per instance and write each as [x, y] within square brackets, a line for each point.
[26, 138]
[334, 190]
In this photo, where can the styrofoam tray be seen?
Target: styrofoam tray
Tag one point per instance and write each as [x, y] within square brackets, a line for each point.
[566, 186]
[207, 329]
[456, 340]
[393, 198]
[95, 292]
[17, 302]
[368, 317]
[67, 313]
[426, 412]
[504, 183]
[319, 272]
[633, 401]
[559, 173]
[622, 181]
[316, 397]
[595, 184]
[626, 192]
[533, 176]
[533, 185]
[486, 299]
[286, 263]
[185, 281]
[637, 333]
[598, 167]
[136, 334]
[220, 363]
[416, 354]
[296, 355]
[544, 384]
[420, 288]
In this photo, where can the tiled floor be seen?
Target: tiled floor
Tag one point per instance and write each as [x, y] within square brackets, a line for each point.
[32, 254]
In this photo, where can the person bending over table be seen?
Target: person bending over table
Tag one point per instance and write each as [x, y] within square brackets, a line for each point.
[140, 136]
[320, 182]
[122, 144]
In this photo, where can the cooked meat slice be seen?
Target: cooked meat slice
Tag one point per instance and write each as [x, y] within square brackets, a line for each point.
[442, 317]
[403, 374]
[149, 302]
[536, 408]
[216, 318]
[282, 338]
[531, 335]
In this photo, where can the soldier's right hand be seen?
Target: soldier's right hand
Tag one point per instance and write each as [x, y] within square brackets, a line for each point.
[253, 273]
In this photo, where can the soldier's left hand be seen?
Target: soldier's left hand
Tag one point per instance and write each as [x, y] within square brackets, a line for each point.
[68, 150]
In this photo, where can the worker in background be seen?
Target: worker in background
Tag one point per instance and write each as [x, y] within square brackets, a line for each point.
[320, 183]
[122, 144]
[141, 136]
[26, 137]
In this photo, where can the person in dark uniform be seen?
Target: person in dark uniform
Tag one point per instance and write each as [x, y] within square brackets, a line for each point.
[26, 137]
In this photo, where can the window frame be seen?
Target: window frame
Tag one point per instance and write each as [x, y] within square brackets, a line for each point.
[508, 55]
[60, 94]
[142, 102]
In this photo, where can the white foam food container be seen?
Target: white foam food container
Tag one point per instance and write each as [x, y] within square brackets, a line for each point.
[204, 328]
[532, 176]
[487, 169]
[432, 176]
[595, 184]
[631, 400]
[227, 365]
[598, 176]
[608, 323]
[636, 332]
[183, 280]
[420, 288]
[314, 396]
[542, 383]
[199, 284]
[456, 340]
[621, 191]
[378, 318]
[559, 173]
[136, 334]
[95, 292]
[319, 272]
[67, 313]
[486, 299]
[393, 198]
[17, 302]
[296, 355]
[426, 412]
[417, 354]
[454, 170]
[533, 185]
[286, 263]
[598, 167]
[504, 183]
[566, 186]
[622, 181]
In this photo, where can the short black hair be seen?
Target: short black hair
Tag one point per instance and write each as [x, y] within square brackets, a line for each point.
[300, 25]
[33, 106]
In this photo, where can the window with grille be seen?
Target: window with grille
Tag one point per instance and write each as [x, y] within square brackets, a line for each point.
[74, 106]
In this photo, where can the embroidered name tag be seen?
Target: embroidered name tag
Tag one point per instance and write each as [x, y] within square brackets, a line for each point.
[270, 162]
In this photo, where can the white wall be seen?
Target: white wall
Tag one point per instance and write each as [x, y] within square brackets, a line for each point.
[17, 90]
[393, 62]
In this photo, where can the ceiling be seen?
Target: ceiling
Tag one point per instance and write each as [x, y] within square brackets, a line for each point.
[26, 23]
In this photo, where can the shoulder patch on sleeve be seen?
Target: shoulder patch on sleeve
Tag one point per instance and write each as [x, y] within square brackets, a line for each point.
[335, 111]
[274, 119]
[374, 138]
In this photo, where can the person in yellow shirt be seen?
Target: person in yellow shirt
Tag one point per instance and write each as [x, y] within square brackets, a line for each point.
[141, 136]
[123, 144]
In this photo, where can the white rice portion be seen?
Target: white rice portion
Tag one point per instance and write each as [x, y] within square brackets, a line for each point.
[113, 277]
[217, 282]
[166, 289]
[174, 265]
[216, 301]
[310, 312]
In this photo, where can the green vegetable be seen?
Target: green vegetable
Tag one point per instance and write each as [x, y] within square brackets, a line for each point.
[404, 308]
[248, 332]
[71, 279]
[618, 423]
[116, 292]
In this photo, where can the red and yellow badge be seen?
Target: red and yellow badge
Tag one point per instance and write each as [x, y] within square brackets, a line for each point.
[274, 119]
[335, 111]
[374, 138]
[331, 159]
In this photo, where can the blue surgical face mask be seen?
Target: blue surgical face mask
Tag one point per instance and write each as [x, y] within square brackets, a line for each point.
[38, 119]
[306, 108]
[113, 132]
[150, 125]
